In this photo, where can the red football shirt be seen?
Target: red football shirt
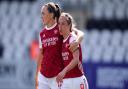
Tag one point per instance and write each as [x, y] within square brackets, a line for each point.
[68, 56]
[52, 62]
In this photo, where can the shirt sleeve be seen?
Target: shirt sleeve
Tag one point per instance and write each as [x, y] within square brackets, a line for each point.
[73, 38]
[40, 43]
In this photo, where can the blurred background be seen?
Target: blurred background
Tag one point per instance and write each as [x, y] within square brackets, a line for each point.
[105, 44]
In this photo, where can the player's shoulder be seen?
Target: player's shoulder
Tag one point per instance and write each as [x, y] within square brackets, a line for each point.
[73, 37]
[42, 31]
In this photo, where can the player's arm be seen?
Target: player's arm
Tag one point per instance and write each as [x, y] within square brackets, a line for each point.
[70, 66]
[74, 61]
[80, 36]
[38, 62]
[39, 59]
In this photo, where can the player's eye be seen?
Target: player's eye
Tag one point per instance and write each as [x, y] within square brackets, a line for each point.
[60, 23]
[42, 13]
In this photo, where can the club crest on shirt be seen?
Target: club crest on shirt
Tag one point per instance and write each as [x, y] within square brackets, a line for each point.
[81, 86]
[55, 31]
[66, 45]
[43, 35]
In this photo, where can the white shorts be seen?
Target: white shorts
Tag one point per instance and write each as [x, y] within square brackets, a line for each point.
[47, 83]
[75, 83]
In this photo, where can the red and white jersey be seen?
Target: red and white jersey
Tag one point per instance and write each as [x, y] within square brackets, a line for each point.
[68, 56]
[51, 42]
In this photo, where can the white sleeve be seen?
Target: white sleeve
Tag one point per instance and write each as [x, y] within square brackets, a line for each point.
[40, 43]
[73, 38]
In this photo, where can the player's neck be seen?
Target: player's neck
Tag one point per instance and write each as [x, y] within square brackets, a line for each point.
[51, 23]
[66, 35]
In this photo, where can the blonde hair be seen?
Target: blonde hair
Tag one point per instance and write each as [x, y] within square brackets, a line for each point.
[69, 20]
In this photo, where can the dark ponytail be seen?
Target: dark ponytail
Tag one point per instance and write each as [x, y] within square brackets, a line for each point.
[58, 12]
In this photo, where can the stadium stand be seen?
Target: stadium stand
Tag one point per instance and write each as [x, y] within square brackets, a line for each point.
[105, 42]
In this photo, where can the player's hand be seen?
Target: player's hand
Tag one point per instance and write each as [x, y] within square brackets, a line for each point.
[73, 46]
[60, 77]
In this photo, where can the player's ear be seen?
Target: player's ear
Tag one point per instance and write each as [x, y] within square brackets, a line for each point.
[51, 15]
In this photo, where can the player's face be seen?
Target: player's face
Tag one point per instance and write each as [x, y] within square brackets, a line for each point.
[63, 25]
[46, 16]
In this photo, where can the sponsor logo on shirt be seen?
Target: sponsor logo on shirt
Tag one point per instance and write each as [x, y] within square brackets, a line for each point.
[50, 41]
[55, 31]
[65, 55]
